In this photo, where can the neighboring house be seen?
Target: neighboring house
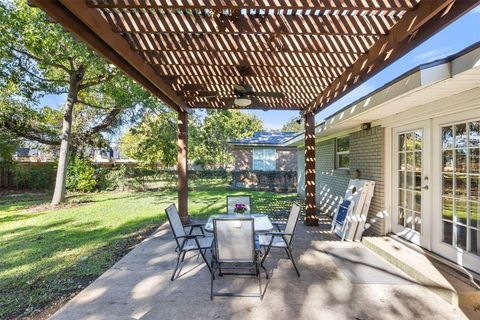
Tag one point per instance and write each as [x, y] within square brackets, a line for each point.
[263, 162]
[109, 155]
[25, 154]
[418, 138]
[264, 151]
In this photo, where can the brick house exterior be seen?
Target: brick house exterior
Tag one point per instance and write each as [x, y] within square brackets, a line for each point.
[286, 158]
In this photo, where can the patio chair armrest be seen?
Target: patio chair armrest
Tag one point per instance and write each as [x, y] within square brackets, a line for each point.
[194, 224]
[278, 224]
[191, 236]
[279, 234]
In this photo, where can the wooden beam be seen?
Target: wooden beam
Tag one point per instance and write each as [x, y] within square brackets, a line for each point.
[268, 106]
[268, 59]
[414, 28]
[99, 26]
[125, 21]
[333, 44]
[313, 84]
[310, 75]
[192, 88]
[63, 16]
[311, 218]
[182, 150]
[323, 5]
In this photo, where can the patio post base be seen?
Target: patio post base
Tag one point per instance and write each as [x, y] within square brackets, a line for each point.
[311, 221]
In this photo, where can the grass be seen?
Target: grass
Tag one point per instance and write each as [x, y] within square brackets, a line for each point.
[47, 255]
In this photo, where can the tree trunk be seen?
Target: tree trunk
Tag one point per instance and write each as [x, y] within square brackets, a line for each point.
[60, 182]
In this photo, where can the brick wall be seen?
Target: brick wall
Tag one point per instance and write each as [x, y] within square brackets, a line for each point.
[330, 184]
[366, 155]
[367, 150]
[243, 159]
[286, 159]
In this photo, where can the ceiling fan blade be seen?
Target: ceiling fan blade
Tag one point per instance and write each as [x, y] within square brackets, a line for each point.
[230, 104]
[270, 94]
[193, 87]
[207, 94]
[257, 104]
[240, 88]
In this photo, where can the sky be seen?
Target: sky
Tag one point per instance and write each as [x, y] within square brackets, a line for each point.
[457, 36]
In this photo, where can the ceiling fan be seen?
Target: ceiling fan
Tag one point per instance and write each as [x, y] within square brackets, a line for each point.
[244, 94]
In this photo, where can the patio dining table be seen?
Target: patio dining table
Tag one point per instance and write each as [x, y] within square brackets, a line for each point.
[261, 222]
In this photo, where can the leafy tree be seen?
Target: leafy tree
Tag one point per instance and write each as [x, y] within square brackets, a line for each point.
[153, 140]
[220, 126]
[38, 58]
[293, 125]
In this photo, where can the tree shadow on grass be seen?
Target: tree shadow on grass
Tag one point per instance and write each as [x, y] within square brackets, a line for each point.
[42, 263]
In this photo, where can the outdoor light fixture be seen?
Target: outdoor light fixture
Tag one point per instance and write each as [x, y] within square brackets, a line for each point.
[365, 126]
[243, 102]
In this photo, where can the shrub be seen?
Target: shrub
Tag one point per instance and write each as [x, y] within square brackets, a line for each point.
[81, 175]
[111, 179]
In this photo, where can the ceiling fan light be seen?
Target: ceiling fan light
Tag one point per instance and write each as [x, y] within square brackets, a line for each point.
[242, 102]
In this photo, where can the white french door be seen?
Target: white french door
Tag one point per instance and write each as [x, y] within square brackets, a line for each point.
[411, 182]
[456, 195]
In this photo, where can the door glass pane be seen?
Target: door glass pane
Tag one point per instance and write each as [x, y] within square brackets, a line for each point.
[401, 198]
[418, 222]
[410, 180]
[418, 140]
[418, 201]
[461, 160]
[473, 189]
[461, 210]
[447, 208]
[401, 216]
[401, 142]
[474, 134]
[475, 241]
[460, 185]
[447, 137]
[447, 185]
[447, 236]
[461, 135]
[409, 218]
[418, 182]
[410, 161]
[409, 199]
[474, 158]
[418, 161]
[401, 161]
[447, 161]
[461, 237]
[401, 179]
[475, 214]
[409, 141]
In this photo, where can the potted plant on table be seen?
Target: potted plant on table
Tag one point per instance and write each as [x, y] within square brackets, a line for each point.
[240, 208]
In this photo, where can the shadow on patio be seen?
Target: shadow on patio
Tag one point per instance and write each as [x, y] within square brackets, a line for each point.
[339, 280]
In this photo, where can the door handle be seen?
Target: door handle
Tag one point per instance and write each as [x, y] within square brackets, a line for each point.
[425, 187]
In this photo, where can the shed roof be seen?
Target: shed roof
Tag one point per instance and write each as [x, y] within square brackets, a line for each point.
[265, 138]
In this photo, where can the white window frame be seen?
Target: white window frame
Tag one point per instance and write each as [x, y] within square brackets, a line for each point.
[340, 153]
[263, 159]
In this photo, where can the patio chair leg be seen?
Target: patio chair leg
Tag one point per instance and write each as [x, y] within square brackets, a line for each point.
[183, 255]
[176, 267]
[205, 259]
[293, 262]
[259, 281]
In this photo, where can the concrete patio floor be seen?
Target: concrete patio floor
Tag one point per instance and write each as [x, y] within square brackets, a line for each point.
[339, 280]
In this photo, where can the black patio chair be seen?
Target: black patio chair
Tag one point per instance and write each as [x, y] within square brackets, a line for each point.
[282, 239]
[235, 250]
[187, 242]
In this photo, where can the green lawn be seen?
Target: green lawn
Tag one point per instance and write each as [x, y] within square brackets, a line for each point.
[47, 255]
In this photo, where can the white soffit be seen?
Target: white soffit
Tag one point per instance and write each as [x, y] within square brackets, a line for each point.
[422, 85]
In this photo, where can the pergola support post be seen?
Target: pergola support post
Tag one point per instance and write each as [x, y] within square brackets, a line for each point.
[311, 218]
[182, 149]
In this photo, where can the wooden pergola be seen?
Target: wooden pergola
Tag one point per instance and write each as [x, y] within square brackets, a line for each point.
[189, 53]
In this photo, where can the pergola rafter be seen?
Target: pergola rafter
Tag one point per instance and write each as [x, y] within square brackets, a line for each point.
[294, 54]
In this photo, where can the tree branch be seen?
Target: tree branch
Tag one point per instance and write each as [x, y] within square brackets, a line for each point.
[29, 134]
[109, 119]
[91, 105]
[31, 56]
[95, 82]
